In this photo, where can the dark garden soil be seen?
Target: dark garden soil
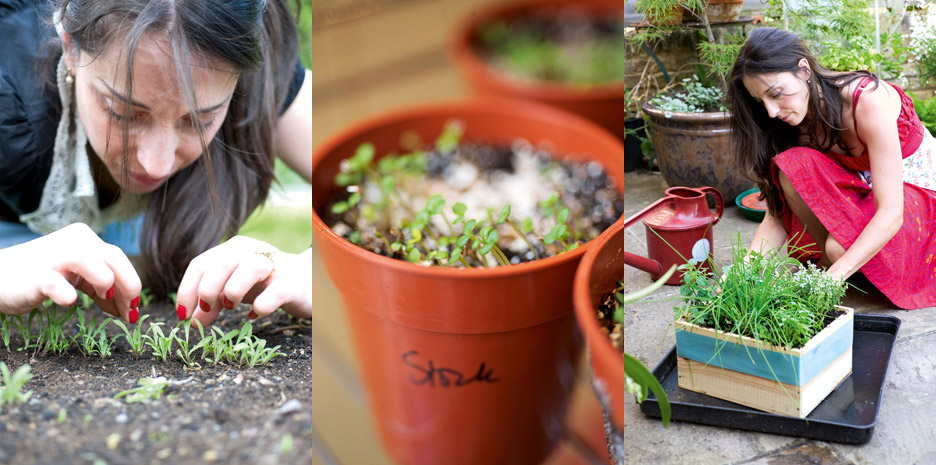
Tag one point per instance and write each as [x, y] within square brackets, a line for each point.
[223, 414]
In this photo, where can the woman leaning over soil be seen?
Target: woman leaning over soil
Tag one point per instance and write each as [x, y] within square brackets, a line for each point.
[814, 140]
[150, 131]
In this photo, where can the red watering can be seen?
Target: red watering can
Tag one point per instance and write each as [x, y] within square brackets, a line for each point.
[679, 228]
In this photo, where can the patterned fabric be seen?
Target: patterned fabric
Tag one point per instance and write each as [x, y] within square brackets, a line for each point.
[905, 269]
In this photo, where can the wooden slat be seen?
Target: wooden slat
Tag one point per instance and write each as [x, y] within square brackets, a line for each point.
[761, 393]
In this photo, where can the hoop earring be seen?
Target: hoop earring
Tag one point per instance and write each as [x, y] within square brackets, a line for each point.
[69, 77]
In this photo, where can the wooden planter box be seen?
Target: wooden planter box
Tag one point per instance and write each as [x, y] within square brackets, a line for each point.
[763, 376]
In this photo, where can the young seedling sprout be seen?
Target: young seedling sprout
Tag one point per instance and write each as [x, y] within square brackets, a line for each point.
[10, 391]
[133, 337]
[147, 389]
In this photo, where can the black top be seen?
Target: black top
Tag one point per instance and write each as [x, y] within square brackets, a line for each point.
[29, 115]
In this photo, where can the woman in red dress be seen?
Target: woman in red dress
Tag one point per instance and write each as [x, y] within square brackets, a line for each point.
[816, 141]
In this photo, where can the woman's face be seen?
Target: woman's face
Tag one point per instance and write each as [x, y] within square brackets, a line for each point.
[784, 95]
[163, 138]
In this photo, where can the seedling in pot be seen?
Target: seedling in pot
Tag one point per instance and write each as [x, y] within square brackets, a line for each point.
[10, 392]
[380, 194]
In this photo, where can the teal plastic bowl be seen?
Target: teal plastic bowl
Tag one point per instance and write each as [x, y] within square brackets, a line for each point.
[752, 208]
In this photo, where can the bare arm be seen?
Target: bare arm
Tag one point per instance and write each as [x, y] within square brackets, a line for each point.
[876, 118]
[294, 131]
[770, 236]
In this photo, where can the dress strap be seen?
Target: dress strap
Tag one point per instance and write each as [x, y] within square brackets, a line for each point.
[857, 93]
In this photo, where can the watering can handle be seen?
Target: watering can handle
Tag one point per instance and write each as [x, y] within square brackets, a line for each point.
[719, 202]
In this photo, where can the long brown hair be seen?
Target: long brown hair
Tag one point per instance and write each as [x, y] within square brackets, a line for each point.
[208, 201]
[756, 137]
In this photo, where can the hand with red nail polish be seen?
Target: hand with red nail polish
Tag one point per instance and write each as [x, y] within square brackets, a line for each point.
[58, 265]
[246, 270]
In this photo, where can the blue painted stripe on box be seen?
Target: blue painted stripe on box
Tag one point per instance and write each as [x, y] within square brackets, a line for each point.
[827, 351]
[785, 367]
[736, 357]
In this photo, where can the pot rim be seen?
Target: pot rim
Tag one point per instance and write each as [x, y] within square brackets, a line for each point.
[461, 52]
[683, 117]
[474, 105]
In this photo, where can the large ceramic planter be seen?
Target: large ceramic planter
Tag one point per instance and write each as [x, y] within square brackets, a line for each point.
[763, 376]
[694, 149]
[603, 104]
[462, 366]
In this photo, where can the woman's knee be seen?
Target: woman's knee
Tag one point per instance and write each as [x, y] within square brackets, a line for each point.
[833, 249]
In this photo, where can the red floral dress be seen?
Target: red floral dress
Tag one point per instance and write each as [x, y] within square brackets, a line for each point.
[837, 188]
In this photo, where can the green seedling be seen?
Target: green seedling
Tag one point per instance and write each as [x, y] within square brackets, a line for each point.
[286, 444]
[86, 301]
[186, 351]
[159, 342]
[220, 346]
[62, 415]
[148, 389]
[146, 297]
[52, 336]
[25, 327]
[91, 337]
[10, 392]
[5, 331]
[135, 337]
[250, 350]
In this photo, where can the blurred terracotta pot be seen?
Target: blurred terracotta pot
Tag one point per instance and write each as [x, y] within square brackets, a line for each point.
[602, 104]
[462, 366]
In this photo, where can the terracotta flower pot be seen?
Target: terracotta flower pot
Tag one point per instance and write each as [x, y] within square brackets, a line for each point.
[694, 149]
[462, 366]
[603, 104]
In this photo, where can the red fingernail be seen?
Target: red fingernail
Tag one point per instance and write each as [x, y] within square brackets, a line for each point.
[252, 315]
[227, 303]
[135, 303]
[109, 293]
[180, 311]
[204, 305]
[134, 315]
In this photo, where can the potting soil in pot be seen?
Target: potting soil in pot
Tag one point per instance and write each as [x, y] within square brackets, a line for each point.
[564, 46]
[472, 204]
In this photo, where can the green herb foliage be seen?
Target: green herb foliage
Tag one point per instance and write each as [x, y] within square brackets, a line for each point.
[770, 297]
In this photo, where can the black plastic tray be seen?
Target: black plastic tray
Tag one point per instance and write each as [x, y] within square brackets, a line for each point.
[847, 415]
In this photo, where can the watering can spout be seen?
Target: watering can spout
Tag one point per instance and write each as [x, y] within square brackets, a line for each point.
[679, 228]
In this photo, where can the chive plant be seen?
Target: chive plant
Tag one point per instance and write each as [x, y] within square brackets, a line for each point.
[770, 297]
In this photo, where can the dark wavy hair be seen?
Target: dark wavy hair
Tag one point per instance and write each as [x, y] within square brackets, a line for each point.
[193, 211]
[756, 137]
